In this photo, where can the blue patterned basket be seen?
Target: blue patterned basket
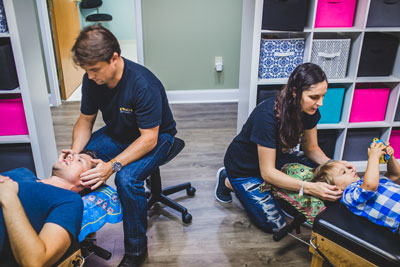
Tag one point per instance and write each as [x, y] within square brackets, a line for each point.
[3, 20]
[279, 57]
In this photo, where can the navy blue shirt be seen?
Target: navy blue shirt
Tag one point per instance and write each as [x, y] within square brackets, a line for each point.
[43, 204]
[241, 157]
[138, 101]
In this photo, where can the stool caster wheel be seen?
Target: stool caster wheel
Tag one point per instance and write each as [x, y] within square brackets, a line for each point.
[190, 191]
[186, 218]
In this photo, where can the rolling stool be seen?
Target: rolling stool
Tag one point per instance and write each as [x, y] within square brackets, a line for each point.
[157, 194]
[97, 17]
[341, 238]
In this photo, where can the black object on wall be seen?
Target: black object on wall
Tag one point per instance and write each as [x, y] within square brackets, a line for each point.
[357, 143]
[285, 15]
[378, 54]
[327, 141]
[8, 73]
[14, 156]
[384, 13]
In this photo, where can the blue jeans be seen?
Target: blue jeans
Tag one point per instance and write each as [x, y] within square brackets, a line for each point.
[261, 208]
[130, 184]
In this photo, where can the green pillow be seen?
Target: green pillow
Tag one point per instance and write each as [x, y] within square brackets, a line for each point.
[308, 205]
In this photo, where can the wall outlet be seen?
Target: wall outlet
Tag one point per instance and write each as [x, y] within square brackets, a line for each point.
[219, 64]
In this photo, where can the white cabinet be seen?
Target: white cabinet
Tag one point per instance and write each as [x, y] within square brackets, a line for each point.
[39, 144]
[346, 131]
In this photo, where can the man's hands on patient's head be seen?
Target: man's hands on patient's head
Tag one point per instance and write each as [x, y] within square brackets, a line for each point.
[65, 153]
[97, 176]
[8, 189]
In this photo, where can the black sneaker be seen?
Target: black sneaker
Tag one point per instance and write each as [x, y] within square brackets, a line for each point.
[222, 193]
[133, 261]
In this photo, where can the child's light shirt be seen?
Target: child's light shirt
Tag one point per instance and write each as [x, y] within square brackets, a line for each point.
[381, 206]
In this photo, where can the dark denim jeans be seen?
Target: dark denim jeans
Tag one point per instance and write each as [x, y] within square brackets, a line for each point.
[130, 184]
[262, 208]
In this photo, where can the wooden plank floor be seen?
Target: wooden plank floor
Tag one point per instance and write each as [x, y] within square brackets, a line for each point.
[220, 235]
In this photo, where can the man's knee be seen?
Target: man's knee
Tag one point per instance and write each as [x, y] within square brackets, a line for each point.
[126, 180]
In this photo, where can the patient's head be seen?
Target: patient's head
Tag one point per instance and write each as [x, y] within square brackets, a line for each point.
[335, 173]
[70, 167]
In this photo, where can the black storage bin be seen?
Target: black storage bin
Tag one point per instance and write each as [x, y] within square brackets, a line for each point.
[384, 13]
[14, 156]
[397, 115]
[8, 73]
[378, 54]
[285, 15]
[327, 141]
[267, 91]
[357, 143]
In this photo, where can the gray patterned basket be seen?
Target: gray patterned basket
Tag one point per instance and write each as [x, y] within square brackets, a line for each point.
[332, 56]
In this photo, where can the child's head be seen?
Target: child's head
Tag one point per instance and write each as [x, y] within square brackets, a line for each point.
[335, 173]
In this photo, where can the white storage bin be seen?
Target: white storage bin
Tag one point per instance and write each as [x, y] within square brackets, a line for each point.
[279, 57]
[332, 56]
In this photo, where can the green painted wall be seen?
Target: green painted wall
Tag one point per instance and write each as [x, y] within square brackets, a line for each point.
[123, 24]
[182, 37]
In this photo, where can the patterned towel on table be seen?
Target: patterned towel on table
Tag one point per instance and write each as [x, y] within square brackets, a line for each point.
[99, 207]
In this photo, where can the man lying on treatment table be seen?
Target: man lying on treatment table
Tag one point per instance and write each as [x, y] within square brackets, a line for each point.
[39, 219]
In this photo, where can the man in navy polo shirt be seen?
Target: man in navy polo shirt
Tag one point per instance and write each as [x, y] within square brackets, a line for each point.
[138, 134]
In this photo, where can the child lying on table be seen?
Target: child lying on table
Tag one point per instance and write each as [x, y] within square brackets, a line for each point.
[374, 196]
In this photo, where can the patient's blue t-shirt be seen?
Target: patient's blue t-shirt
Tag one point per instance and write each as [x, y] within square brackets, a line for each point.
[138, 101]
[261, 128]
[42, 203]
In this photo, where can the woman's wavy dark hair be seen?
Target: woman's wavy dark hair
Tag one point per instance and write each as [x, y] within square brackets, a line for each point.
[288, 103]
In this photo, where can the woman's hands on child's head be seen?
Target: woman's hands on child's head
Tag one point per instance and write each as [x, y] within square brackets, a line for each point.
[323, 191]
[376, 150]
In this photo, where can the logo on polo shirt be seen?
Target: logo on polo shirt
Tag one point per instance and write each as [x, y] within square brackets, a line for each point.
[125, 110]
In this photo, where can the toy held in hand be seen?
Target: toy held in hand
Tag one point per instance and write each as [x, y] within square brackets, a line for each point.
[384, 158]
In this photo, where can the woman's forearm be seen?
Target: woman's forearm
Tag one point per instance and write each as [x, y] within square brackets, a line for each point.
[281, 180]
[316, 155]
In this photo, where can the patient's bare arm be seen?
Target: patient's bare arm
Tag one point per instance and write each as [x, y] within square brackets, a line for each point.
[371, 177]
[393, 166]
[29, 248]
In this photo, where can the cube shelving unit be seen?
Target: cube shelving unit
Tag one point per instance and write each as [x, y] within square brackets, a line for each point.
[39, 145]
[249, 83]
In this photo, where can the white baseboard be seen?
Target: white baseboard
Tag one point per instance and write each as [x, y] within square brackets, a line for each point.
[203, 96]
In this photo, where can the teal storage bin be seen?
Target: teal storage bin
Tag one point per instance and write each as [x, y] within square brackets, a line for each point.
[331, 109]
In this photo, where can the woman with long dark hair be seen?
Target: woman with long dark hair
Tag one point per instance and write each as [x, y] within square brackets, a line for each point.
[268, 140]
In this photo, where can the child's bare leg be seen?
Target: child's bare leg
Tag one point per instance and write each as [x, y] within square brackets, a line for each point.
[228, 184]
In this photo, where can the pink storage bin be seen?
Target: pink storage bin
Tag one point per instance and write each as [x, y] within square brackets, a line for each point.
[335, 13]
[394, 141]
[12, 117]
[369, 104]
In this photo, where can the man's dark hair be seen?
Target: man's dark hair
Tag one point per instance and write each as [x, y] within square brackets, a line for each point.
[94, 44]
[90, 153]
